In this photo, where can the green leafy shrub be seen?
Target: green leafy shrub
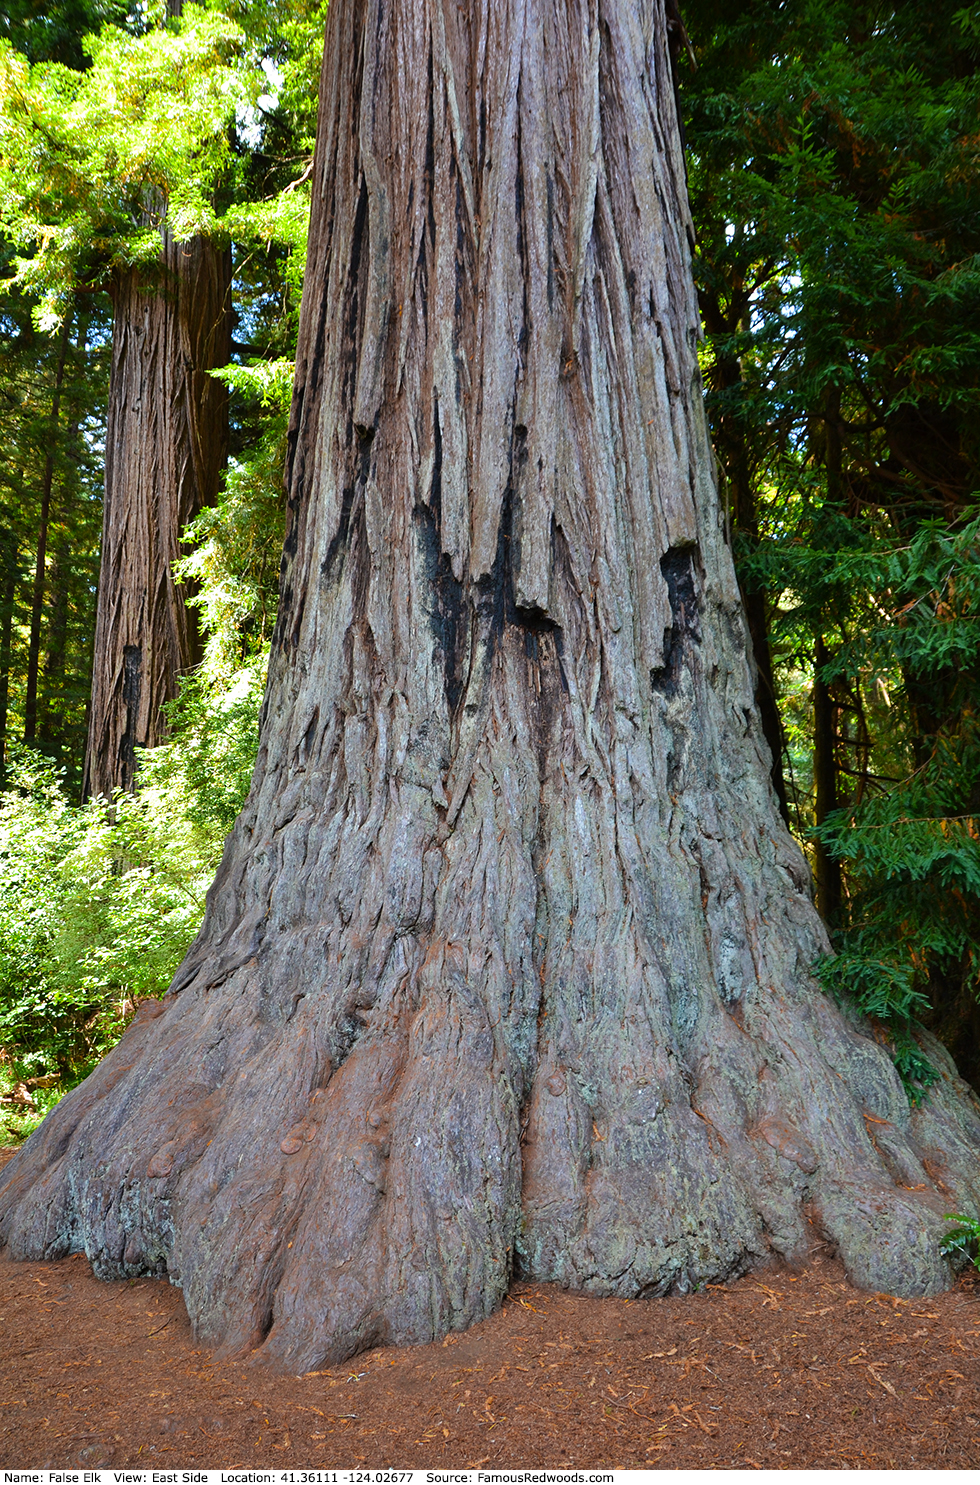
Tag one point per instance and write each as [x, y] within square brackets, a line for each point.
[214, 736]
[906, 640]
[236, 544]
[99, 904]
[17, 1122]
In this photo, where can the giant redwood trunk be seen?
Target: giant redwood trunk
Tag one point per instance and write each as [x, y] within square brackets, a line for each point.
[506, 968]
[166, 445]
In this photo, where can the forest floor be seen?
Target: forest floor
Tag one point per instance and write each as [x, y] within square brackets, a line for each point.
[783, 1369]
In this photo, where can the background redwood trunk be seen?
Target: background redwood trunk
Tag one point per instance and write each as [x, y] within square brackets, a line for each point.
[827, 868]
[166, 447]
[506, 965]
[9, 569]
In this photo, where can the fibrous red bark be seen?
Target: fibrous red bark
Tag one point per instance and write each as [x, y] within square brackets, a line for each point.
[507, 963]
[166, 445]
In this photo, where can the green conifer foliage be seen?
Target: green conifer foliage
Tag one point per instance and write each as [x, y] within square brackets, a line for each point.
[834, 164]
[91, 161]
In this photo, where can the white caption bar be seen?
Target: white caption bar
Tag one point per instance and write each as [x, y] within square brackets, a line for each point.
[329, 1477]
[487, 1476]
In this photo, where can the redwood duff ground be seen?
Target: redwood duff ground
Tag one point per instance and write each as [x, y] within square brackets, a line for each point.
[778, 1370]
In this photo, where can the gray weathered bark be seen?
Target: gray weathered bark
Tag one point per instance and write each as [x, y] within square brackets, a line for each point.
[506, 964]
[166, 446]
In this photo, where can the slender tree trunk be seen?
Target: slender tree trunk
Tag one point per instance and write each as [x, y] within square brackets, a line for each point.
[52, 672]
[6, 637]
[37, 596]
[506, 965]
[52, 676]
[827, 872]
[744, 519]
[757, 623]
[828, 869]
[165, 449]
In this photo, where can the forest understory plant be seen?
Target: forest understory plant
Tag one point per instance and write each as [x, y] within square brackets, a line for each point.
[98, 902]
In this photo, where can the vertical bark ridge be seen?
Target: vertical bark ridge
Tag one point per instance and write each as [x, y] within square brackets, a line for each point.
[506, 967]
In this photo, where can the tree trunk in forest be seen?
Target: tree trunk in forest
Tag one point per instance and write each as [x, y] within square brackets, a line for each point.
[827, 871]
[506, 965]
[40, 564]
[166, 445]
[744, 518]
[49, 739]
[757, 626]
[10, 568]
[50, 723]
[827, 868]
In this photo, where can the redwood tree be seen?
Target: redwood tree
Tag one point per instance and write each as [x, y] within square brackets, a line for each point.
[166, 446]
[506, 965]
[109, 176]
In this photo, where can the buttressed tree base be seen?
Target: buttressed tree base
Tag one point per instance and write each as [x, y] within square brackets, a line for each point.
[506, 967]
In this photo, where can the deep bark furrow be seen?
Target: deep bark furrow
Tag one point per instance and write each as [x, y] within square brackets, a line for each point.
[507, 962]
